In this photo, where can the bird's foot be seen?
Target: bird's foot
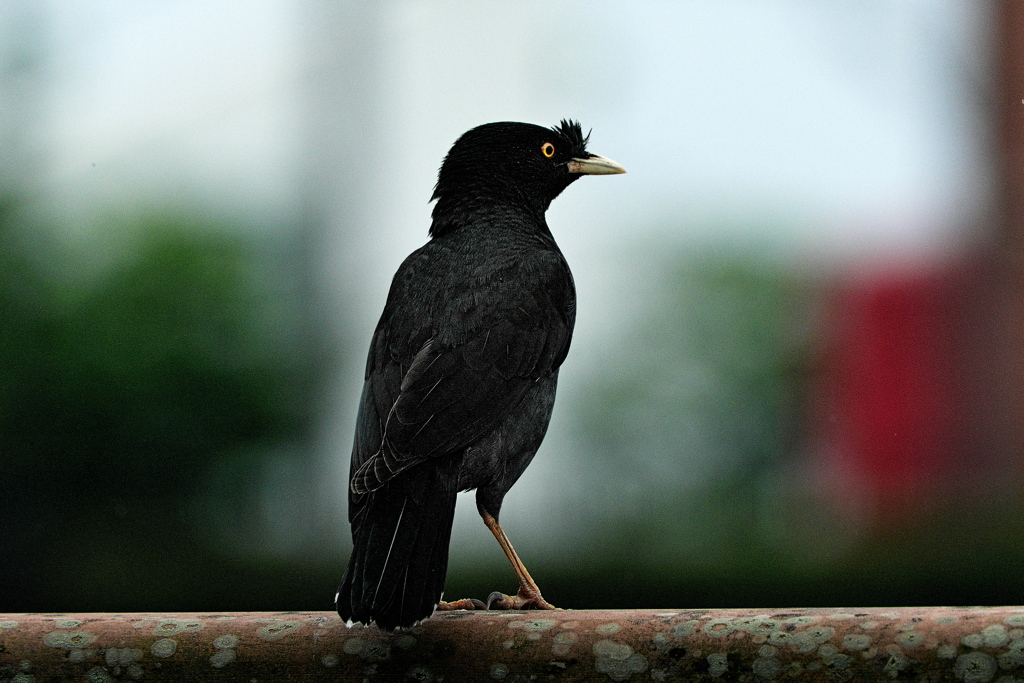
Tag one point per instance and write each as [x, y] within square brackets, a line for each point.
[525, 599]
[464, 603]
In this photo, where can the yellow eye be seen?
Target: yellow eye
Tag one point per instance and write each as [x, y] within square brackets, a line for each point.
[547, 149]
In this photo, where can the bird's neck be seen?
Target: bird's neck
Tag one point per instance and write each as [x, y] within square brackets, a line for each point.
[466, 211]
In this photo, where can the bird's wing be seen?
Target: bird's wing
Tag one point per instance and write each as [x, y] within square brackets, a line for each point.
[453, 392]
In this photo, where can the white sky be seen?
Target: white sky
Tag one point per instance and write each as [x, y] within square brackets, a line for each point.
[861, 112]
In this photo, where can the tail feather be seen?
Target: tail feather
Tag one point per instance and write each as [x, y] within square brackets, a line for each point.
[400, 539]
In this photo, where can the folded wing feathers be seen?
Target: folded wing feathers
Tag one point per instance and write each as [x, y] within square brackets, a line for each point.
[445, 389]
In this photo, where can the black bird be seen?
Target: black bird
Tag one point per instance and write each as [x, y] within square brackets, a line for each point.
[460, 379]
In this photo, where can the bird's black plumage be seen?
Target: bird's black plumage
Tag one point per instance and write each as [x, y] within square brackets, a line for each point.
[461, 375]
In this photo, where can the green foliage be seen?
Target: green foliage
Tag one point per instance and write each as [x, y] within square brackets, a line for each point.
[125, 387]
[122, 385]
[146, 391]
[715, 388]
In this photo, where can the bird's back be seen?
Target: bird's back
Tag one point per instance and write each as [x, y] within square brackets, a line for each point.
[497, 309]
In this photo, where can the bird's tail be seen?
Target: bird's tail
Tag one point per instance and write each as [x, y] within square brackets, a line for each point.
[400, 536]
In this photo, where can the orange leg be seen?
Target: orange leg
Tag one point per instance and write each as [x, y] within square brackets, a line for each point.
[464, 603]
[529, 596]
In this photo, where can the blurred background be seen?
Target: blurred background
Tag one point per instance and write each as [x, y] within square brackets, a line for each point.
[796, 378]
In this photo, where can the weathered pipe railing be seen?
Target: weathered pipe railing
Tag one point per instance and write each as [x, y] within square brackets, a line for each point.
[975, 645]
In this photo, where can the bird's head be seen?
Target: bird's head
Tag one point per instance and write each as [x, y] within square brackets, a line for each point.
[512, 164]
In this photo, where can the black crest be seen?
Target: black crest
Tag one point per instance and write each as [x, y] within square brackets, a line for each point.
[572, 131]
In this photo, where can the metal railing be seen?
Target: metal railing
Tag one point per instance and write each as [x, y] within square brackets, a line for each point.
[912, 643]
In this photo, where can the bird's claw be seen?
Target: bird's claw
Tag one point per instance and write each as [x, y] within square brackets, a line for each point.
[464, 603]
[521, 601]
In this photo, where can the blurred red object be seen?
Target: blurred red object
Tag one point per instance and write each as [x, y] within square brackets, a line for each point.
[891, 402]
